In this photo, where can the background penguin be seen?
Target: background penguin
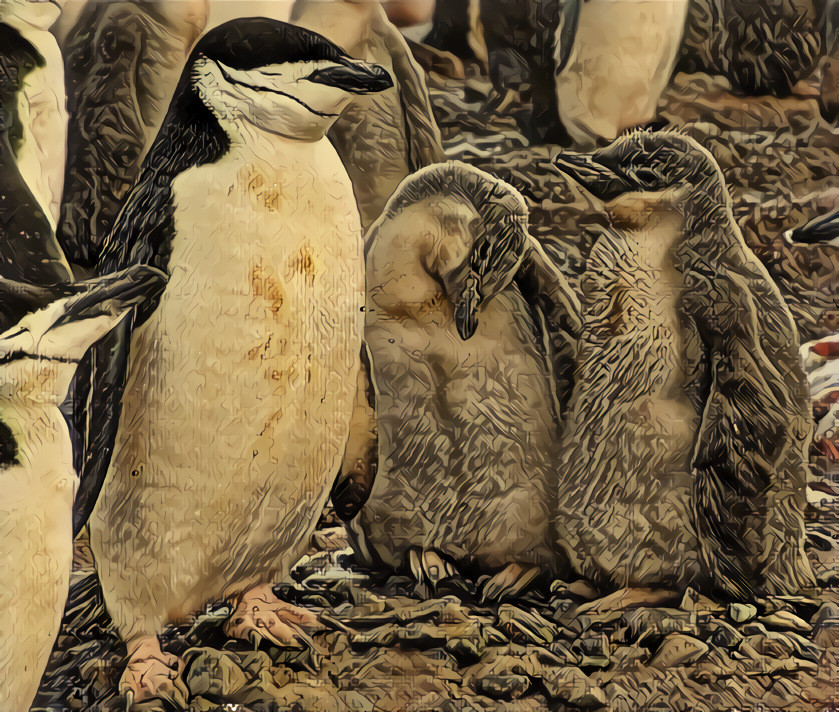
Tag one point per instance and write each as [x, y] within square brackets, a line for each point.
[823, 229]
[242, 378]
[37, 360]
[122, 62]
[41, 110]
[688, 373]
[384, 137]
[467, 413]
[527, 43]
[621, 61]
[29, 251]
[760, 47]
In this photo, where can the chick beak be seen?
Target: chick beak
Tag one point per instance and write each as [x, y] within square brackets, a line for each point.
[466, 309]
[353, 76]
[595, 176]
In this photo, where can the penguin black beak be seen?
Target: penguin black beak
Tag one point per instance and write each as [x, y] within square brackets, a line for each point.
[466, 308]
[598, 178]
[353, 76]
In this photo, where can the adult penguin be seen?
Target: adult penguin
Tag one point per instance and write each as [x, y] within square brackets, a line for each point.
[685, 456]
[620, 62]
[384, 137]
[122, 63]
[38, 356]
[241, 382]
[527, 44]
[41, 138]
[760, 47]
[461, 301]
[29, 251]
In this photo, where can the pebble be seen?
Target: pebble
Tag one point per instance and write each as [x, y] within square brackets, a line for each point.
[503, 687]
[741, 612]
[572, 685]
[677, 650]
[786, 621]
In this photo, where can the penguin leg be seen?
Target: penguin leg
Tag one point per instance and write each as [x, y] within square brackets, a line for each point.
[259, 614]
[510, 582]
[151, 673]
[626, 598]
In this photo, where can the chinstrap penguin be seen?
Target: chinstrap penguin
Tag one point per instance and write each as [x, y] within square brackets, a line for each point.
[41, 111]
[122, 63]
[241, 381]
[685, 454]
[37, 359]
[823, 229]
[461, 302]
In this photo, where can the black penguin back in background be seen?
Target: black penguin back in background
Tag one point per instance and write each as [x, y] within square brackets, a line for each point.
[122, 60]
[760, 46]
[528, 41]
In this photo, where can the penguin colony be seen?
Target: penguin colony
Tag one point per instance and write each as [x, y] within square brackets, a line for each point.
[652, 431]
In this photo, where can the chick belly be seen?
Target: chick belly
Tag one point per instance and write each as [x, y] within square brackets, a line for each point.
[234, 422]
[622, 59]
[36, 553]
[465, 449]
[624, 514]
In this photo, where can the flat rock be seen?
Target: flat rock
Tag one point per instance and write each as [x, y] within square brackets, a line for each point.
[785, 620]
[526, 626]
[678, 650]
[741, 612]
[503, 687]
[211, 672]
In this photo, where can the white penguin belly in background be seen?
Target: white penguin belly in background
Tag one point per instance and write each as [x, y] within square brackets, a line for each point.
[241, 386]
[623, 55]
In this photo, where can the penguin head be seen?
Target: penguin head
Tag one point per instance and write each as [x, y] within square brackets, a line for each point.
[41, 14]
[39, 354]
[481, 237]
[674, 166]
[278, 77]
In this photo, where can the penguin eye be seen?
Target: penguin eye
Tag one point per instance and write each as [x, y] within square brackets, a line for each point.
[8, 447]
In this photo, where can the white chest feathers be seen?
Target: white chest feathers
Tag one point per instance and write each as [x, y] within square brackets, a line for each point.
[623, 55]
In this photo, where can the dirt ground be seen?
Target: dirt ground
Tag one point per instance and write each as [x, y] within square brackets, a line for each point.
[383, 649]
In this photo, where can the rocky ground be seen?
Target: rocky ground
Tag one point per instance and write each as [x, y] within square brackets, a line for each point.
[382, 648]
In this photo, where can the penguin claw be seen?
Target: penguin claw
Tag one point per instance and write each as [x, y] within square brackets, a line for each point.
[429, 569]
[260, 615]
[150, 673]
[510, 582]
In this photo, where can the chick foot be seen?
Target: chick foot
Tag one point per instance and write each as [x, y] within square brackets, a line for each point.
[259, 615]
[152, 674]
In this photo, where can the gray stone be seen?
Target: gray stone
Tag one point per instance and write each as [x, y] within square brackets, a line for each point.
[503, 687]
[741, 612]
[784, 620]
[678, 650]
[572, 685]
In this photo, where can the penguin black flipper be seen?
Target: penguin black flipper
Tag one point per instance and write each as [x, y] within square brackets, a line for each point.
[558, 309]
[821, 229]
[566, 31]
[755, 424]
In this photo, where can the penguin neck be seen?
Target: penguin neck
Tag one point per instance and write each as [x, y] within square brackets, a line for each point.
[246, 137]
[347, 24]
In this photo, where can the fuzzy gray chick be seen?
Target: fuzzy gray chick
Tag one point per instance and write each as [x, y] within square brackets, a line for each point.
[685, 458]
